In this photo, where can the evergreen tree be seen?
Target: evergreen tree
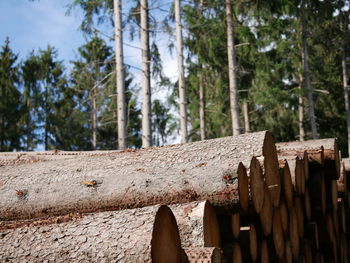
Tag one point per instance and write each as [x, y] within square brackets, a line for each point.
[10, 100]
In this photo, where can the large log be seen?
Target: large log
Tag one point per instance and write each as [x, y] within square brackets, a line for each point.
[330, 158]
[148, 234]
[203, 254]
[198, 224]
[205, 170]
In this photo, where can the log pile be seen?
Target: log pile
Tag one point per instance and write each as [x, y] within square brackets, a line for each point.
[233, 199]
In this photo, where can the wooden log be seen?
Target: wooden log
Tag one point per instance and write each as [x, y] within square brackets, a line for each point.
[284, 218]
[317, 190]
[257, 184]
[249, 243]
[299, 210]
[315, 152]
[148, 234]
[286, 182]
[266, 214]
[288, 257]
[278, 235]
[203, 254]
[342, 215]
[236, 225]
[205, 170]
[307, 205]
[237, 254]
[311, 234]
[265, 255]
[294, 233]
[307, 252]
[198, 224]
[243, 186]
[344, 254]
[297, 173]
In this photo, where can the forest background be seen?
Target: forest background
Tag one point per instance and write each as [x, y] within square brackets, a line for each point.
[47, 103]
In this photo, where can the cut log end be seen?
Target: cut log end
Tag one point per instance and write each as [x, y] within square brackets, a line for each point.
[211, 227]
[265, 257]
[271, 169]
[257, 186]
[203, 254]
[243, 187]
[287, 184]
[166, 244]
[266, 214]
[278, 236]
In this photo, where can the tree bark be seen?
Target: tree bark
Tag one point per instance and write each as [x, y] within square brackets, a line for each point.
[312, 117]
[198, 224]
[301, 117]
[232, 67]
[94, 119]
[201, 106]
[148, 234]
[203, 254]
[181, 81]
[204, 170]
[119, 58]
[246, 116]
[146, 77]
[346, 91]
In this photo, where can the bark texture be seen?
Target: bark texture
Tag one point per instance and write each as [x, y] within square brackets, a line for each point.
[198, 224]
[232, 65]
[203, 254]
[119, 58]
[146, 76]
[147, 234]
[181, 82]
[205, 170]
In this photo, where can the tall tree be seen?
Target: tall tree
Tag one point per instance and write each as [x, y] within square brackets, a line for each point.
[181, 80]
[122, 124]
[232, 69]
[10, 100]
[146, 77]
[306, 68]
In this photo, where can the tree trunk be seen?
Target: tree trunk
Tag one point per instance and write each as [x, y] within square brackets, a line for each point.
[203, 254]
[94, 119]
[346, 92]
[198, 224]
[201, 105]
[146, 77]
[246, 116]
[204, 170]
[312, 117]
[232, 69]
[301, 117]
[121, 101]
[181, 81]
[148, 234]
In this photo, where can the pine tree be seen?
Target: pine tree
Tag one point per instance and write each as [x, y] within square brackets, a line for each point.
[10, 100]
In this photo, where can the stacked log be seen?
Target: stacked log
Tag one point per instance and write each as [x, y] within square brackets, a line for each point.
[234, 199]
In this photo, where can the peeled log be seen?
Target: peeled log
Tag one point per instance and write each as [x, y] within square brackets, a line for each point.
[148, 234]
[203, 254]
[198, 224]
[205, 170]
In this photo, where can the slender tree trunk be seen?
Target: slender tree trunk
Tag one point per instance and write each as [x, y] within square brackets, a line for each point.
[94, 119]
[145, 80]
[301, 110]
[301, 117]
[122, 122]
[246, 116]
[201, 105]
[181, 82]
[307, 80]
[345, 87]
[232, 69]
[46, 126]
[201, 91]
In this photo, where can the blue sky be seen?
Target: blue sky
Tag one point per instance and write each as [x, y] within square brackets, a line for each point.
[32, 25]
[36, 24]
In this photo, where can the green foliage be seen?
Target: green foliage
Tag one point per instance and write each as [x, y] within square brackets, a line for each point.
[10, 100]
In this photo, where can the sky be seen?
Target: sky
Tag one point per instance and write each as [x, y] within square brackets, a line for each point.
[37, 24]
[33, 25]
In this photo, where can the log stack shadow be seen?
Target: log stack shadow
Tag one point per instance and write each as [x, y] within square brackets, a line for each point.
[233, 199]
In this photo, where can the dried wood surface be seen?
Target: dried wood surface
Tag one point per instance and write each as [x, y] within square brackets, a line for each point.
[198, 224]
[146, 234]
[205, 170]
